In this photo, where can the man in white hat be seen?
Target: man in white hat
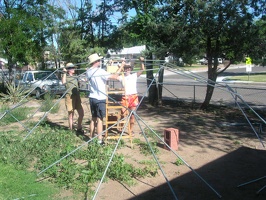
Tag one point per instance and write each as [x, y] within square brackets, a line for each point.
[72, 97]
[97, 78]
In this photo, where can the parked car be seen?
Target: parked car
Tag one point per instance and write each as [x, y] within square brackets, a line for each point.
[204, 61]
[41, 82]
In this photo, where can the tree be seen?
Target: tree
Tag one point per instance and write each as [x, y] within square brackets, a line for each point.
[186, 27]
[86, 30]
[259, 50]
[24, 30]
[225, 27]
[17, 36]
[137, 31]
[72, 47]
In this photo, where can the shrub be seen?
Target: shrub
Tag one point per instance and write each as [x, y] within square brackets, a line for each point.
[14, 93]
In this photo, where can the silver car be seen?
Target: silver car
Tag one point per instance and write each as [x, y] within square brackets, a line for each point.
[41, 82]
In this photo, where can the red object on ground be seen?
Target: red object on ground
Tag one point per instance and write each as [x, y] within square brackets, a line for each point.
[171, 138]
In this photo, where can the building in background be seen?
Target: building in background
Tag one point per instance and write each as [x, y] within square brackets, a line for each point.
[3, 63]
[127, 53]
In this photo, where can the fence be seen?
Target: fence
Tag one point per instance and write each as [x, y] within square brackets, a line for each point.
[192, 91]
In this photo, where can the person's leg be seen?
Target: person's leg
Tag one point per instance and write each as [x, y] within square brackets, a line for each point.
[92, 126]
[80, 118]
[132, 105]
[132, 119]
[93, 123]
[101, 114]
[70, 110]
[124, 109]
[80, 111]
[99, 128]
[124, 112]
[70, 119]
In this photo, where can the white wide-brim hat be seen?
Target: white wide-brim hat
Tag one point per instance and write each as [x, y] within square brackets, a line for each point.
[94, 57]
[70, 65]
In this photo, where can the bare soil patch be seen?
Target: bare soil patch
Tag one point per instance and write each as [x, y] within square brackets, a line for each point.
[220, 150]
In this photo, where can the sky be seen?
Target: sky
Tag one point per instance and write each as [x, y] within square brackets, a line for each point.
[65, 4]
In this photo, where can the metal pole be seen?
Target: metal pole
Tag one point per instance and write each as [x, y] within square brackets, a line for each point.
[194, 96]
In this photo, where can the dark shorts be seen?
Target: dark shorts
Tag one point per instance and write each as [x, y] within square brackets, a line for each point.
[98, 108]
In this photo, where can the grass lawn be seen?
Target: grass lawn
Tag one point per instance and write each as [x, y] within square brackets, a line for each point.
[18, 184]
[252, 77]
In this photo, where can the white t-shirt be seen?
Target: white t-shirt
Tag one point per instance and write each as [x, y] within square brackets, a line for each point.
[129, 83]
[97, 78]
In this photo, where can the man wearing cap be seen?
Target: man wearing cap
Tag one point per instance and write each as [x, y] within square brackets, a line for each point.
[129, 81]
[72, 97]
[97, 78]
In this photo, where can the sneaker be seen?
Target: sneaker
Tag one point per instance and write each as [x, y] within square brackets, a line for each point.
[87, 138]
[80, 132]
[101, 143]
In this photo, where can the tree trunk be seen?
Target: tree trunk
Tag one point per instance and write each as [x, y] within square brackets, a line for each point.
[152, 93]
[160, 86]
[209, 93]
[212, 73]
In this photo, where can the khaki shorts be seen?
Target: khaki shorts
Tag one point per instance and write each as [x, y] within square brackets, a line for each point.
[72, 102]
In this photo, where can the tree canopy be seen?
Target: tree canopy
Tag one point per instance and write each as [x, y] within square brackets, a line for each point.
[71, 30]
[215, 28]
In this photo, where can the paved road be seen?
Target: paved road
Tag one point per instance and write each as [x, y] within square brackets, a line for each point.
[192, 87]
